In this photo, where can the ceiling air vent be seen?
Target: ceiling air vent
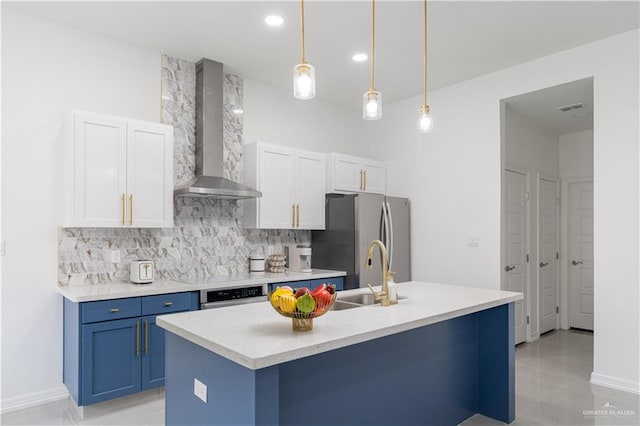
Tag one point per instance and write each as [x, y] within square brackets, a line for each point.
[566, 108]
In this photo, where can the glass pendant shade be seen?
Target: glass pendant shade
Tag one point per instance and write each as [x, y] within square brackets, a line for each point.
[425, 120]
[304, 81]
[372, 105]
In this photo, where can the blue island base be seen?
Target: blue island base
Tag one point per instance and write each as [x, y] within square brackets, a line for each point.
[440, 374]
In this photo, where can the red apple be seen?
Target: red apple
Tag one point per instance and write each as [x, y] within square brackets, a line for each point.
[302, 291]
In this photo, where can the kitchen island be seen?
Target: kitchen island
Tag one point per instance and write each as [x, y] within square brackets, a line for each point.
[442, 354]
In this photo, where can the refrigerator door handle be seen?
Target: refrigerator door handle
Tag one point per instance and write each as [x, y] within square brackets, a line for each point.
[383, 225]
[390, 221]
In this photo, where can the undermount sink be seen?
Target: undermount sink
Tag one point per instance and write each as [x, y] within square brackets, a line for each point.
[356, 301]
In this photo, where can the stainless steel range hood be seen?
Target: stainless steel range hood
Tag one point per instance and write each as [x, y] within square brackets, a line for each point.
[209, 139]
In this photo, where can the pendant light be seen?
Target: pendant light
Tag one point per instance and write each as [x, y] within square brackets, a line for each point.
[304, 74]
[372, 99]
[425, 120]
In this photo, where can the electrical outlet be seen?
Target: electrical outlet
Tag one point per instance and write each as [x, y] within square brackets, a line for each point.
[472, 242]
[115, 256]
[200, 390]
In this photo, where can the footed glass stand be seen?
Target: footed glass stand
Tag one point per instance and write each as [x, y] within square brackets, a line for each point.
[302, 324]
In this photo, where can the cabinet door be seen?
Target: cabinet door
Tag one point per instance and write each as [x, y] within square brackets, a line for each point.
[110, 359]
[152, 354]
[346, 173]
[309, 184]
[375, 176]
[99, 163]
[149, 175]
[276, 206]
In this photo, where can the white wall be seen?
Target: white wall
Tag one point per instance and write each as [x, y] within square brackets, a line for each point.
[47, 70]
[531, 148]
[275, 116]
[453, 179]
[576, 154]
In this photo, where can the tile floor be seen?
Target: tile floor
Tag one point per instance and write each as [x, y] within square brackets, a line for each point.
[552, 389]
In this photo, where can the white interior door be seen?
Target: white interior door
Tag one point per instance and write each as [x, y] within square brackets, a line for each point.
[580, 224]
[516, 223]
[547, 254]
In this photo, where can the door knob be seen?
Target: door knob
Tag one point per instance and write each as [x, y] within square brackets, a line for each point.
[509, 268]
[543, 264]
[576, 262]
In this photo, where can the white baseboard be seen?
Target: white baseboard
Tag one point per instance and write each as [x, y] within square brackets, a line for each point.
[33, 399]
[615, 383]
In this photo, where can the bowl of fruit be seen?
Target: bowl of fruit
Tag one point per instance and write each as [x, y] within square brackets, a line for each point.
[302, 305]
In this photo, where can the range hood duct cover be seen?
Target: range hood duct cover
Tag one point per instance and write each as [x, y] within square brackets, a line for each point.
[209, 139]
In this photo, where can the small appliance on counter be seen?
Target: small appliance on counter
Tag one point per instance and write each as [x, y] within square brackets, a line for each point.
[141, 271]
[299, 257]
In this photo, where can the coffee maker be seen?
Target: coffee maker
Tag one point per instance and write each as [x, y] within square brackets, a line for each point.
[298, 257]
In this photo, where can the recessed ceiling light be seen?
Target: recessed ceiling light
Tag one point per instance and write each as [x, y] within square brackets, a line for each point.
[274, 20]
[360, 57]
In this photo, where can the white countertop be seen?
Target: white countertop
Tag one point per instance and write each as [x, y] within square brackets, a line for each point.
[256, 336]
[105, 291]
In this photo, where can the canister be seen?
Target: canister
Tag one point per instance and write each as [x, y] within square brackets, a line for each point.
[256, 263]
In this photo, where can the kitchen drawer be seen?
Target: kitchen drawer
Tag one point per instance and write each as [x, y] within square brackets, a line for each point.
[106, 310]
[166, 303]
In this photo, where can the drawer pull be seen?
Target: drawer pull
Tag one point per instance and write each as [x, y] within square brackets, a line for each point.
[114, 310]
[168, 303]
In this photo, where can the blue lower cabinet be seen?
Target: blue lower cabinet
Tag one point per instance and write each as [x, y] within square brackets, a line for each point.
[105, 357]
[337, 281]
[110, 359]
[153, 354]
[311, 284]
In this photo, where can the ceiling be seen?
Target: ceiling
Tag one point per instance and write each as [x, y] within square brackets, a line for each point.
[541, 107]
[466, 39]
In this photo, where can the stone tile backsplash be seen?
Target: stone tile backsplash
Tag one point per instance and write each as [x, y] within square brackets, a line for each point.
[206, 239]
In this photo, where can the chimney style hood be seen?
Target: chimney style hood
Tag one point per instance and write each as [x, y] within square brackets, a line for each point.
[209, 139]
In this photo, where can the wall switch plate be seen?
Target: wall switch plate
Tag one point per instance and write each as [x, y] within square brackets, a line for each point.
[472, 242]
[115, 256]
[200, 390]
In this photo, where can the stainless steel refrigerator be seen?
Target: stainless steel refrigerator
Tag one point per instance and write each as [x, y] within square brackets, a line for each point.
[352, 222]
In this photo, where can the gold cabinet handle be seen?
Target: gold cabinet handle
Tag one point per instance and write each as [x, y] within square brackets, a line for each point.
[168, 303]
[123, 208]
[293, 217]
[364, 172]
[138, 338]
[297, 215]
[361, 180]
[130, 209]
[114, 310]
[146, 337]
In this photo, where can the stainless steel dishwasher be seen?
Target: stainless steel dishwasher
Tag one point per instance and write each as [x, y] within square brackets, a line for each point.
[219, 298]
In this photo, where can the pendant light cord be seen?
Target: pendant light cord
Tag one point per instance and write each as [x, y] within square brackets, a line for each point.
[302, 29]
[425, 53]
[373, 40]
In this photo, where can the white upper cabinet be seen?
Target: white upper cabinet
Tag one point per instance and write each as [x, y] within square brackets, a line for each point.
[118, 173]
[347, 174]
[292, 186]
